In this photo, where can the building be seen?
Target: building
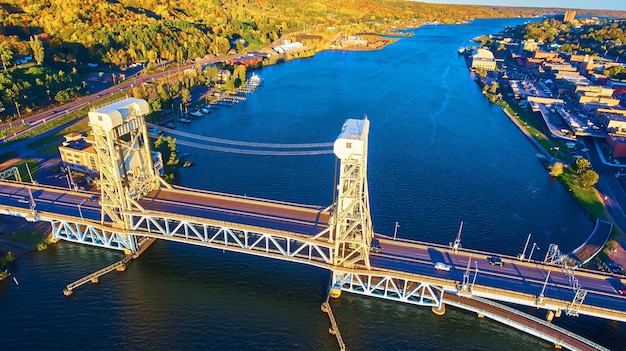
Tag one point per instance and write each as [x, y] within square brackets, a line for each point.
[281, 49]
[569, 16]
[245, 60]
[78, 154]
[483, 58]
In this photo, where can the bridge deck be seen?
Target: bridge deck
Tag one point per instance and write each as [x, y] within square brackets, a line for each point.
[295, 218]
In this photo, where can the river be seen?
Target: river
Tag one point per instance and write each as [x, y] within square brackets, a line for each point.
[439, 154]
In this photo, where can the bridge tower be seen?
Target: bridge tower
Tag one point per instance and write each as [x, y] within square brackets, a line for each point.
[352, 224]
[126, 164]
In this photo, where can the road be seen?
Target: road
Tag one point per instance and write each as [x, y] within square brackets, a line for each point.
[515, 278]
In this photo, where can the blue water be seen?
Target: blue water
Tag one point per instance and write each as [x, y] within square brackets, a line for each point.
[439, 154]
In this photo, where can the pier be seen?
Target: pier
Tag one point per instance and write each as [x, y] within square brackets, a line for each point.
[120, 266]
[95, 276]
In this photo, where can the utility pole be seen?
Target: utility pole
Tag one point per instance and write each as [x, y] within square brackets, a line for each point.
[395, 231]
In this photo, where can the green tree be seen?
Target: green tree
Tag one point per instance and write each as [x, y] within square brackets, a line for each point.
[588, 179]
[6, 54]
[557, 169]
[37, 46]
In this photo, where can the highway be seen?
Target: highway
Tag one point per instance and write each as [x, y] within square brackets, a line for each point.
[516, 281]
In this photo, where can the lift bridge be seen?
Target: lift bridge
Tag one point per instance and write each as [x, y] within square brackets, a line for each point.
[134, 203]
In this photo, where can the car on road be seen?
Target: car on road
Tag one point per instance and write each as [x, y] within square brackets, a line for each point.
[621, 291]
[495, 261]
[440, 266]
[375, 246]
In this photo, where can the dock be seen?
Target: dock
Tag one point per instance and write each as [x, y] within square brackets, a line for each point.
[95, 276]
[334, 329]
[119, 266]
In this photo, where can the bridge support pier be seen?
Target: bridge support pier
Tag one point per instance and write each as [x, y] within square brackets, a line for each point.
[550, 316]
[439, 310]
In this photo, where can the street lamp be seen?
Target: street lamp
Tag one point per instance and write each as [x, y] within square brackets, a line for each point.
[543, 289]
[530, 257]
[556, 151]
[92, 198]
[81, 212]
[395, 231]
[17, 107]
[521, 256]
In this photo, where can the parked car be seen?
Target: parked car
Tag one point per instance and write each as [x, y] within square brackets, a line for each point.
[495, 261]
[440, 266]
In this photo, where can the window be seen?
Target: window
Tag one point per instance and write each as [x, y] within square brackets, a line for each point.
[348, 145]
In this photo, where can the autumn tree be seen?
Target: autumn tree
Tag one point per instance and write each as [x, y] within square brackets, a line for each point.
[185, 95]
[37, 46]
[582, 164]
[557, 169]
[6, 54]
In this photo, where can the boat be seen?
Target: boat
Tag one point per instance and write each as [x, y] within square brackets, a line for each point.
[205, 110]
[184, 120]
[196, 114]
[171, 125]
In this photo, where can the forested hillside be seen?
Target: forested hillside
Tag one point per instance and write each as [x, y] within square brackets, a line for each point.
[45, 45]
[125, 31]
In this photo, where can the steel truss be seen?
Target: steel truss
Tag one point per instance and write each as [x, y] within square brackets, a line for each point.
[351, 219]
[85, 233]
[381, 285]
[230, 236]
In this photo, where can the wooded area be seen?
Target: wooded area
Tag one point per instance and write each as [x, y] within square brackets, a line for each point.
[45, 45]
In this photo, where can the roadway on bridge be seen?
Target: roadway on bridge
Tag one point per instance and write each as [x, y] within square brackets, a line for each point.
[516, 281]
[515, 275]
[299, 219]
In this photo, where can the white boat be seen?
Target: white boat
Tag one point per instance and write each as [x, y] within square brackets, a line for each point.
[205, 110]
[196, 114]
[184, 120]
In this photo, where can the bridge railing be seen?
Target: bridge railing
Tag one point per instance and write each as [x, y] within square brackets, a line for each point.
[542, 322]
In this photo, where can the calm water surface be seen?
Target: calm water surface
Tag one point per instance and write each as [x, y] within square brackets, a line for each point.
[439, 154]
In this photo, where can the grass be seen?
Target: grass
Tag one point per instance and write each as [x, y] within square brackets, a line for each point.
[56, 137]
[587, 198]
[33, 165]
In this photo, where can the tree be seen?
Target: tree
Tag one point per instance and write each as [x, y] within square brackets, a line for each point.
[582, 164]
[37, 46]
[494, 88]
[6, 54]
[588, 178]
[185, 95]
[556, 169]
